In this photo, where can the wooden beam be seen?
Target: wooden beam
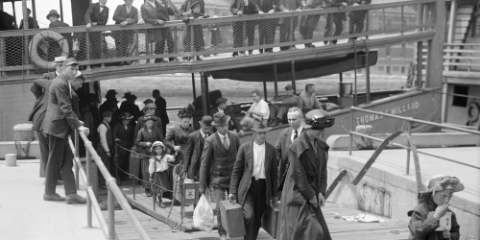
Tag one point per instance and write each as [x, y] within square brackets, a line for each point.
[435, 47]
[193, 86]
[275, 80]
[204, 93]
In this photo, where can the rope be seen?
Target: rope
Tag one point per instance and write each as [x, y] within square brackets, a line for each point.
[142, 155]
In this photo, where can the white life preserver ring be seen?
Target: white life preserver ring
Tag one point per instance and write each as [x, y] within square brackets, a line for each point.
[36, 59]
[473, 111]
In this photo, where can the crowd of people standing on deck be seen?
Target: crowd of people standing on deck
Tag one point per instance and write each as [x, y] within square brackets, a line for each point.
[158, 12]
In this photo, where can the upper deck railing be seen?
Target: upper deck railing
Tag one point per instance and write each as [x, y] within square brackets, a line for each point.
[141, 44]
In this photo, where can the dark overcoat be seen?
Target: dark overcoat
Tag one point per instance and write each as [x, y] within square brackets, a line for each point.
[193, 153]
[217, 162]
[282, 145]
[243, 171]
[93, 14]
[305, 179]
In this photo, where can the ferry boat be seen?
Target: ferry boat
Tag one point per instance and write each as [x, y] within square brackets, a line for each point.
[443, 86]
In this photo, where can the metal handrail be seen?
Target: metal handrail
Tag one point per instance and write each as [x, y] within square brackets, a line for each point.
[113, 191]
[409, 120]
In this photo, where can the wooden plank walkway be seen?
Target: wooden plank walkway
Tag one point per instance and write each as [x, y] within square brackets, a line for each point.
[156, 225]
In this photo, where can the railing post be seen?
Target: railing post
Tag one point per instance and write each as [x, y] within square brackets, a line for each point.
[3, 55]
[409, 132]
[111, 213]
[89, 184]
[88, 48]
[77, 155]
[102, 54]
[350, 132]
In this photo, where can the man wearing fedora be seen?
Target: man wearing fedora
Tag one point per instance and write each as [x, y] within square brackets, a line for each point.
[111, 105]
[129, 106]
[217, 161]
[60, 121]
[254, 179]
[305, 183]
[286, 137]
[194, 148]
[234, 123]
[123, 134]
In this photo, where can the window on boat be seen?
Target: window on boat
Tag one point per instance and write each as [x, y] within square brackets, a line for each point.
[460, 101]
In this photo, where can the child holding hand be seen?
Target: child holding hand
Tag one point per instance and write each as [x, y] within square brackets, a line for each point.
[158, 169]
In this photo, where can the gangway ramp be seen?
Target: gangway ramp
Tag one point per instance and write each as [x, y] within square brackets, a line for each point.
[153, 221]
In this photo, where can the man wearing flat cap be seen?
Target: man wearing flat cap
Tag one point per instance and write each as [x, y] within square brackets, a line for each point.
[106, 146]
[305, 183]
[254, 179]
[60, 121]
[217, 161]
[222, 107]
[194, 148]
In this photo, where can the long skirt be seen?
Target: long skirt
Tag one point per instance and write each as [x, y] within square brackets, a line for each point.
[134, 165]
[161, 181]
[171, 166]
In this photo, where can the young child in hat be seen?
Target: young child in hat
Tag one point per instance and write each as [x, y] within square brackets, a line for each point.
[432, 219]
[158, 169]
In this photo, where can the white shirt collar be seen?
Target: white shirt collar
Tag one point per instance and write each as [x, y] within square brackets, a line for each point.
[220, 110]
[222, 135]
[203, 134]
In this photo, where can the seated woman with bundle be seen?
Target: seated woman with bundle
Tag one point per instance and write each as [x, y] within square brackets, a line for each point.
[431, 219]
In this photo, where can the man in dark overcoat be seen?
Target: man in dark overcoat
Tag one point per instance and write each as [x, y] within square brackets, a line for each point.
[305, 184]
[254, 179]
[60, 121]
[194, 148]
[161, 110]
[123, 134]
[286, 137]
[219, 154]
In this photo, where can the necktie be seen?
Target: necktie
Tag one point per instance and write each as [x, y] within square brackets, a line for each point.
[295, 134]
[225, 143]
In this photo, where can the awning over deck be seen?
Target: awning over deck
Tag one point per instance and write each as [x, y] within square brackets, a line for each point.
[304, 69]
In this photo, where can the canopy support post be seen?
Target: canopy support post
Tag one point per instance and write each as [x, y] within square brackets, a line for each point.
[61, 11]
[193, 86]
[367, 72]
[204, 84]
[340, 89]
[294, 78]
[265, 89]
[275, 83]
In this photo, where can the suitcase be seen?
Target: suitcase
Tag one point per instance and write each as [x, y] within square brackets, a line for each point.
[232, 219]
[270, 220]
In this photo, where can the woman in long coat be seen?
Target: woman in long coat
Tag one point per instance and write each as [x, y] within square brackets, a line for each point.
[178, 136]
[305, 183]
[146, 136]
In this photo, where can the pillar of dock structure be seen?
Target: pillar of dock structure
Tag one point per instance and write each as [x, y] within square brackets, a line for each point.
[435, 47]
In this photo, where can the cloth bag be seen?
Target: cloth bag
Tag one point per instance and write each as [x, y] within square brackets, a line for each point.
[308, 226]
[203, 215]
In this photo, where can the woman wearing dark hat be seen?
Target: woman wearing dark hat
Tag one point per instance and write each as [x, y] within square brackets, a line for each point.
[123, 134]
[178, 136]
[149, 110]
[303, 194]
[146, 136]
[430, 218]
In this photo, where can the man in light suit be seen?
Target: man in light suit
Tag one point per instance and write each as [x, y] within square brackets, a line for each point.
[254, 179]
[40, 89]
[97, 15]
[194, 148]
[124, 15]
[217, 161]
[286, 137]
[60, 121]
